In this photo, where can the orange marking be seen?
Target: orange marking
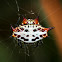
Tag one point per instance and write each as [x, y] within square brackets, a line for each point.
[24, 21]
[13, 36]
[36, 21]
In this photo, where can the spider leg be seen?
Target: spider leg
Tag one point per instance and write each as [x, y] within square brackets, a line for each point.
[19, 43]
[17, 22]
[36, 44]
[40, 42]
[26, 47]
[11, 27]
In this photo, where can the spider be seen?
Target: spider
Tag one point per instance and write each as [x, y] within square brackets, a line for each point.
[30, 32]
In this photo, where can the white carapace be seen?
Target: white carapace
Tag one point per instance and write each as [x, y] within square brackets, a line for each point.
[30, 31]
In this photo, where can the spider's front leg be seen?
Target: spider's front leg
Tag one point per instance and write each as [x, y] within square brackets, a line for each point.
[20, 43]
[38, 43]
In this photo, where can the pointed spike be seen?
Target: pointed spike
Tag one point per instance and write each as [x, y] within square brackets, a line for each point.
[12, 28]
[10, 36]
[51, 28]
[36, 20]
[24, 20]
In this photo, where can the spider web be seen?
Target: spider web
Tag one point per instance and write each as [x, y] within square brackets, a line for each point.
[10, 43]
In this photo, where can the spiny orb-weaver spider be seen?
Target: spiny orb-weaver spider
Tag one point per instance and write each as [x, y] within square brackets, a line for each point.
[30, 32]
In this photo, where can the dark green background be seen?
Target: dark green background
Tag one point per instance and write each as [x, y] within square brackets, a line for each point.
[9, 51]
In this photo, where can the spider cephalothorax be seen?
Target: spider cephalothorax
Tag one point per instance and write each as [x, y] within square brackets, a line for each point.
[30, 31]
